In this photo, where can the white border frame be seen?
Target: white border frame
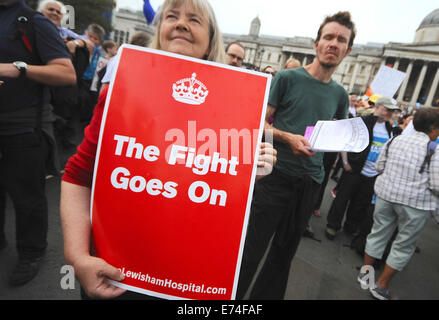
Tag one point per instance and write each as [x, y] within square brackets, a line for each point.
[253, 178]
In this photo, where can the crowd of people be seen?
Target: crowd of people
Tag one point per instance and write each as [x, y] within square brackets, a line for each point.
[370, 180]
[54, 82]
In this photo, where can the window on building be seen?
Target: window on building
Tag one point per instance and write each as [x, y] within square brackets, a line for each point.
[121, 38]
[127, 39]
[116, 36]
[351, 69]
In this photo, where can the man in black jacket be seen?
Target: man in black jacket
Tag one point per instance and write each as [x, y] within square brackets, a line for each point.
[32, 56]
[358, 179]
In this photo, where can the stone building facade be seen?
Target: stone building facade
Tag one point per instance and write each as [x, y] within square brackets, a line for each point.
[126, 23]
[420, 59]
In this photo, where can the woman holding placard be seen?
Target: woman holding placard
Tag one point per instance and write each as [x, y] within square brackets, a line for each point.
[186, 27]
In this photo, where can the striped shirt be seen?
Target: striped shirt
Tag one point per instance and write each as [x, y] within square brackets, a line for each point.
[400, 181]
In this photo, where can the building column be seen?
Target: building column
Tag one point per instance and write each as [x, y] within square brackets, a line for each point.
[305, 61]
[371, 75]
[419, 83]
[354, 76]
[344, 74]
[253, 57]
[406, 81]
[396, 65]
[346, 69]
[247, 55]
[433, 89]
[283, 60]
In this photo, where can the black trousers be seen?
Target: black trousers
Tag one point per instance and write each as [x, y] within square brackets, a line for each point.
[87, 100]
[22, 176]
[357, 190]
[281, 207]
[329, 159]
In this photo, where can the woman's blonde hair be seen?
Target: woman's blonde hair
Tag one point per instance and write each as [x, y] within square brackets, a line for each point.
[296, 63]
[216, 45]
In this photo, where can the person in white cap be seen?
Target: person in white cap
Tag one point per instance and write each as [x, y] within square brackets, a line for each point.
[357, 181]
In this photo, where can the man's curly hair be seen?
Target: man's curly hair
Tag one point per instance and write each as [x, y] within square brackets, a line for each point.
[343, 18]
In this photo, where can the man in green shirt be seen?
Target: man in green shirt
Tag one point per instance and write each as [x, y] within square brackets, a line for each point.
[283, 201]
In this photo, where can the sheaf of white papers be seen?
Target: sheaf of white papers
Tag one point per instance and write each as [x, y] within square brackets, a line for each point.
[349, 135]
[387, 81]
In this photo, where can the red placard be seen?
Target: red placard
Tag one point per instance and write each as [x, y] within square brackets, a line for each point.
[175, 171]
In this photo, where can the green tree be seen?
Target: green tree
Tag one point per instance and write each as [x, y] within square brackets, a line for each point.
[87, 12]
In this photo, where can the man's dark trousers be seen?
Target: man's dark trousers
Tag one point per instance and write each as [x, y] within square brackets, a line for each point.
[281, 206]
[356, 190]
[22, 176]
[329, 159]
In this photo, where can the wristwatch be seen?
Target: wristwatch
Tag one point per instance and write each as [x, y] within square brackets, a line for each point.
[22, 67]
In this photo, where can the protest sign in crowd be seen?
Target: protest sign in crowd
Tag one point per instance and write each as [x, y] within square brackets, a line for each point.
[190, 167]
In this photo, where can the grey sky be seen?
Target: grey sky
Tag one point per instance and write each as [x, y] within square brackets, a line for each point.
[377, 20]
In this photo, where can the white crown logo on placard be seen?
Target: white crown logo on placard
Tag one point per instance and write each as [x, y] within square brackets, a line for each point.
[190, 91]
